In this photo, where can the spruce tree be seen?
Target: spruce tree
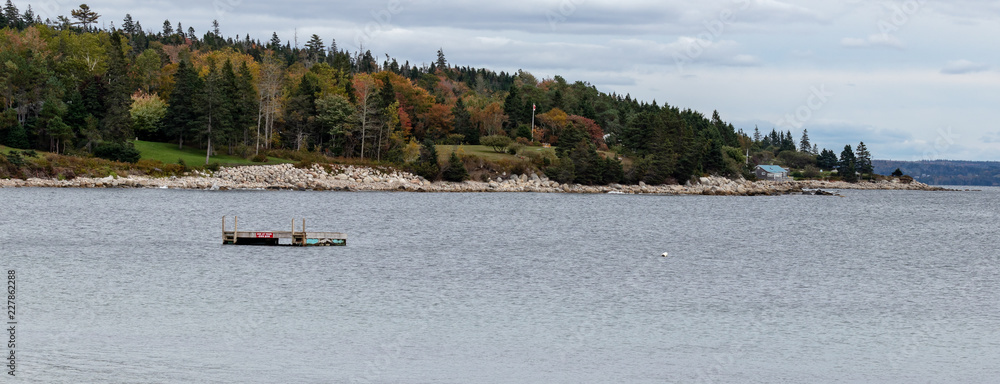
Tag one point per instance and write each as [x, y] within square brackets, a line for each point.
[128, 25]
[11, 15]
[847, 168]
[441, 63]
[182, 115]
[864, 160]
[117, 121]
[456, 171]
[804, 145]
[463, 123]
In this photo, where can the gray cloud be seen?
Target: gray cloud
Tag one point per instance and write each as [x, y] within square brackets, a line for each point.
[959, 67]
[876, 40]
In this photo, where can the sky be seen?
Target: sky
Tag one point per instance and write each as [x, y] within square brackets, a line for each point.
[913, 79]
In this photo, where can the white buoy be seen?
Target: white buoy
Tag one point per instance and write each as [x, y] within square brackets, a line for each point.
[664, 254]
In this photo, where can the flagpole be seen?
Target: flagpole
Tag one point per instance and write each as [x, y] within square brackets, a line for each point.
[532, 134]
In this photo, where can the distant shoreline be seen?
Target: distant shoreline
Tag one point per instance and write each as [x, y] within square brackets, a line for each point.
[351, 178]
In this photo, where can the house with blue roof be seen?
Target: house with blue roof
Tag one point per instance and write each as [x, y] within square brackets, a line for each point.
[770, 172]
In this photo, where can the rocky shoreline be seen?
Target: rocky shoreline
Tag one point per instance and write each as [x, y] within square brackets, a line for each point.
[353, 178]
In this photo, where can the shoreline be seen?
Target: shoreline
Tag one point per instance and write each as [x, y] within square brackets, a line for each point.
[351, 178]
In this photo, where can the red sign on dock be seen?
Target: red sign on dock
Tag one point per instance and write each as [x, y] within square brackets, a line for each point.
[264, 235]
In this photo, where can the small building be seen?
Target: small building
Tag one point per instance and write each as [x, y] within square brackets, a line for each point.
[770, 172]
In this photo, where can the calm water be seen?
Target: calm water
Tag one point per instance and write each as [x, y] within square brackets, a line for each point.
[130, 286]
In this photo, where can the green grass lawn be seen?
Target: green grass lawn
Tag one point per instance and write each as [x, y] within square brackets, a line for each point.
[485, 152]
[169, 154]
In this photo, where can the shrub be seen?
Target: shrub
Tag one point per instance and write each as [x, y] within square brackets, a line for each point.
[213, 166]
[453, 139]
[498, 142]
[811, 172]
[456, 170]
[15, 159]
[117, 151]
[259, 158]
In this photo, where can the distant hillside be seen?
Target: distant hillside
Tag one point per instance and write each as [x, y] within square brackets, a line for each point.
[945, 172]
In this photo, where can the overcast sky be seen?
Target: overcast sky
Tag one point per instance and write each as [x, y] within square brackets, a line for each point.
[912, 79]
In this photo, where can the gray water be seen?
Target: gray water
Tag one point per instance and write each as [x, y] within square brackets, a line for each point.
[134, 286]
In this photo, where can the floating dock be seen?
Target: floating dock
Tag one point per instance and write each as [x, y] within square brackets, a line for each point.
[294, 238]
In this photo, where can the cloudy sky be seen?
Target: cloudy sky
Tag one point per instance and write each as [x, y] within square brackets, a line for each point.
[913, 79]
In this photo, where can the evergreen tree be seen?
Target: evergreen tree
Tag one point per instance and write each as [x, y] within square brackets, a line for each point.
[315, 48]
[441, 62]
[214, 109]
[12, 133]
[456, 171]
[117, 121]
[756, 135]
[804, 145]
[168, 29]
[463, 123]
[182, 115]
[897, 173]
[29, 18]
[427, 165]
[128, 25]
[85, 16]
[847, 168]
[514, 108]
[787, 142]
[827, 160]
[11, 15]
[864, 160]
[275, 41]
[246, 105]
[300, 111]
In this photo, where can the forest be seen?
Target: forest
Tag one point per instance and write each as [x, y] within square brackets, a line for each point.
[69, 87]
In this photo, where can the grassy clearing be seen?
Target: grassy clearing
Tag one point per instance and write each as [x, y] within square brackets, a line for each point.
[169, 154]
[485, 152]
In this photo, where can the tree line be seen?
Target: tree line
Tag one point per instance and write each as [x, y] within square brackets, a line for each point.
[70, 87]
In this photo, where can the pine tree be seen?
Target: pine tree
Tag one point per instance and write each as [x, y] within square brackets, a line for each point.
[85, 15]
[117, 121]
[246, 102]
[515, 109]
[275, 41]
[11, 15]
[182, 115]
[462, 123]
[804, 145]
[441, 62]
[427, 165]
[864, 160]
[827, 160]
[128, 25]
[756, 135]
[456, 171]
[315, 48]
[213, 109]
[168, 29]
[847, 168]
